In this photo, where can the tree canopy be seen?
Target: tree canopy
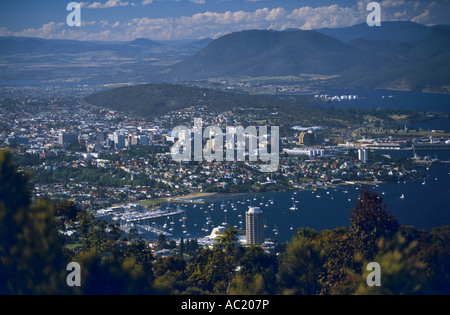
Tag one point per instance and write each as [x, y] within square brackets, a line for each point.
[33, 258]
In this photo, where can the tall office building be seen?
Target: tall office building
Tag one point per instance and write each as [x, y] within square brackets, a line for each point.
[254, 224]
[119, 140]
[68, 138]
[310, 138]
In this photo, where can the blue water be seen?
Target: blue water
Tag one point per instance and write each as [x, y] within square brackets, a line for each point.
[425, 206]
[399, 100]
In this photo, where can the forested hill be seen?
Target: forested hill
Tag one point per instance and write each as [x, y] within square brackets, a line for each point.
[152, 100]
[272, 53]
[419, 64]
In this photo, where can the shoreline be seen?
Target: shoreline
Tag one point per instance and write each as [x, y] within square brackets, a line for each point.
[202, 197]
[198, 197]
[191, 198]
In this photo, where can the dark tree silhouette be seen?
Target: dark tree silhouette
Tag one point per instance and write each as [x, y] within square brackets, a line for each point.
[369, 223]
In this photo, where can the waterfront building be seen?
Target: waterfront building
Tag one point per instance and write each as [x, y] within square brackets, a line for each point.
[254, 223]
[363, 155]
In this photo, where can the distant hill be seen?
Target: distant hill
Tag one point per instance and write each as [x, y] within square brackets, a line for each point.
[144, 42]
[427, 68]
[99, 62]
[272, 53]
[152, 100]
[38, 46]
[397, 55]
[403, 31]
[420, 65]
[10, 46]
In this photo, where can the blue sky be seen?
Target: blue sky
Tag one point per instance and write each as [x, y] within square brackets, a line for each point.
[194, 19]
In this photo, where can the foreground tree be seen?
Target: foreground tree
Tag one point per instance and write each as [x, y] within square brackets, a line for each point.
[31, 259]
[369, 223]
[402, 272]
[302, 265]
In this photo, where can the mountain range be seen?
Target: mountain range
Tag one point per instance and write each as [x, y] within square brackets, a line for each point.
[421, 64]
[397, 55]
[402, 31]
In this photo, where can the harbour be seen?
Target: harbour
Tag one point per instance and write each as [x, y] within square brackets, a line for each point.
[423, 204]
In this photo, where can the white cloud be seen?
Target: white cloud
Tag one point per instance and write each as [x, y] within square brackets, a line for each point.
[325, 17]
[145, 2]
[107, 4]
[215, 24]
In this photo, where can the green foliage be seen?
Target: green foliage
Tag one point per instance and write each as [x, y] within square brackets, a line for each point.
[146, 101]
[401, 271]
[301, 266]
[170, 275]
[227, 240]
[211, 271]
[31, 259]
[112, 276]
[257, 274]
[67, 209]
[369, 222]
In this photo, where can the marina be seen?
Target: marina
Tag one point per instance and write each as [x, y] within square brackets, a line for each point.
[140, 218]
[422, 204]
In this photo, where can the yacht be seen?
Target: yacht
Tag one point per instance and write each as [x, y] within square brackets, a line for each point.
[294, 207]
[275, 230]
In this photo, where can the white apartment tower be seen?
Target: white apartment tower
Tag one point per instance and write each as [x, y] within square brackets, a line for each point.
[363, 155]
[254, 224]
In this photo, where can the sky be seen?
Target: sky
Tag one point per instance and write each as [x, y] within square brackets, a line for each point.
[125, 20]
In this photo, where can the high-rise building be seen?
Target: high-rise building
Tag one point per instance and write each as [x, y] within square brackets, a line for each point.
[362, 155]
[254, 224]
[310, 138]
[102, 135]
[119, 140]
[68, 138]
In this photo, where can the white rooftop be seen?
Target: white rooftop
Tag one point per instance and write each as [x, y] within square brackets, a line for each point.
[254, 210]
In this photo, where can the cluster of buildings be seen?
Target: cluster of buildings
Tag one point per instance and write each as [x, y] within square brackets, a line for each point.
[58, 133]
[253, 235]
[326, 97]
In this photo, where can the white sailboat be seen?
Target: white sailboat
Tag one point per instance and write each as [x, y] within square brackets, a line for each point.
[275, 230]
[294, 207]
